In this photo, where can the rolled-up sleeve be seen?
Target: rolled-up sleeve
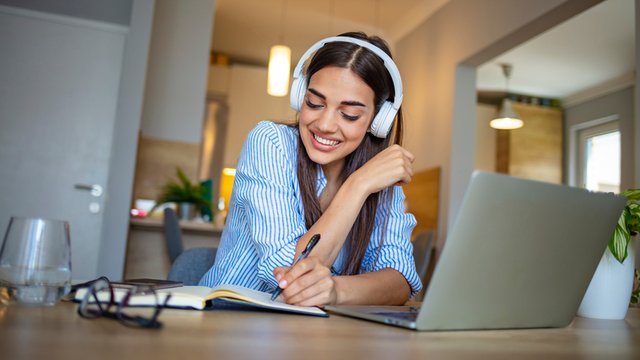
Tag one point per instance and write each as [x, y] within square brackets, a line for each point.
[266, 186]
[390, 245]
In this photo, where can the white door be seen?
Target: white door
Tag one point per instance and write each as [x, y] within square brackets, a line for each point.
[58, 92]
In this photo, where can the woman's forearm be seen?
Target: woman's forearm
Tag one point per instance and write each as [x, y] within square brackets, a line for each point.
[336, 222]
[383, 287]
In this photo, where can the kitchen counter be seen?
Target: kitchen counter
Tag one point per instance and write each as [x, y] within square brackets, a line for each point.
[147, 255]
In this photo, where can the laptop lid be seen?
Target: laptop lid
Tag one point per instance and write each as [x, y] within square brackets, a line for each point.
[520, 254]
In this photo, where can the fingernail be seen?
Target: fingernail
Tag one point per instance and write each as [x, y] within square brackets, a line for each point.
[278, 277]
[282, 284]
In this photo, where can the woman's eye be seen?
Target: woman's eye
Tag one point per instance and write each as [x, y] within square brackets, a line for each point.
[350, 117]
[312, 105]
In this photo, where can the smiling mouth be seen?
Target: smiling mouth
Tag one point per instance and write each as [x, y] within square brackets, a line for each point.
[324, 141]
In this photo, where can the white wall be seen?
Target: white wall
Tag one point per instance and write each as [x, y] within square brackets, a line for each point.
[438, 63]
[246, 90]
[219, 79]
[175, 94]
[485, 151]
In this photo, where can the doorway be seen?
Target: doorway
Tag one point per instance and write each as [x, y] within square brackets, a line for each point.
[214, 134]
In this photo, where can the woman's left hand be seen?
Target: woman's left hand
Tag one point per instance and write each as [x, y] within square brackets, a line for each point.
[391, 166]
[308, 283]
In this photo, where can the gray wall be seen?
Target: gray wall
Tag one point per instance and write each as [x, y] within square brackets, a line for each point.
[176, 85]
[112, 11]
[438, 61]
[137, 15]
[618, 103]
[636, 102]
[115, 226]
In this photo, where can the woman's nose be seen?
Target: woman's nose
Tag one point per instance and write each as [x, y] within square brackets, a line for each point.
[327, 121]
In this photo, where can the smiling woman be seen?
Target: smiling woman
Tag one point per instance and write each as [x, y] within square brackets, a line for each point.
[332, 126]
[334, 173]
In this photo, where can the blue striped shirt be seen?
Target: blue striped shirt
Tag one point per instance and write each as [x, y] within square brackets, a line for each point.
[266, 218]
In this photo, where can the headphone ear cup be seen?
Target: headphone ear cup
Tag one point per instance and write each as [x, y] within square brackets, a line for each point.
[298, 88]
[381, 124]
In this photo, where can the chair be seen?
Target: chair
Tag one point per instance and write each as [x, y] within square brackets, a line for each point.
[422, 250]
[188, 265]
[192, 264]
[172, 234]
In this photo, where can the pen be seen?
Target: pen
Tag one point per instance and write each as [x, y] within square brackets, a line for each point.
[310, 245]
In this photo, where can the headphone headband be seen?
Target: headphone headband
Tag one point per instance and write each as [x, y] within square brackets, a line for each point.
[381, 124]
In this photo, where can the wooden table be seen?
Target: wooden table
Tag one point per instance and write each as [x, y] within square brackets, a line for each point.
[59, 333]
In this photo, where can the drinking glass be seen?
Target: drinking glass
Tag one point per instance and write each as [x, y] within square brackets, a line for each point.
[35, 260]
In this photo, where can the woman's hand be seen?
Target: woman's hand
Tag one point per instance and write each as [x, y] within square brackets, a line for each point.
[308, 283]
[391, 166]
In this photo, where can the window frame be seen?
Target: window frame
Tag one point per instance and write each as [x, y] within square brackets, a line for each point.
[577, 145]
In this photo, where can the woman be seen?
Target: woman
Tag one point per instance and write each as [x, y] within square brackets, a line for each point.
[334, 174]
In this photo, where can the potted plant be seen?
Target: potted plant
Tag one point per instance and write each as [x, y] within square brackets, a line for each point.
[608, 294]
[188, 197]
[628, 226]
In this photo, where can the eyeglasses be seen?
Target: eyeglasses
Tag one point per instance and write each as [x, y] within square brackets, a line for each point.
[101, 300]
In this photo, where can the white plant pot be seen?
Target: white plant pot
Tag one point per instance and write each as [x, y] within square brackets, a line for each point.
[186, 211]
[610, 289]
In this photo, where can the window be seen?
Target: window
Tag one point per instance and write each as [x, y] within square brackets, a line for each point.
[598, 159]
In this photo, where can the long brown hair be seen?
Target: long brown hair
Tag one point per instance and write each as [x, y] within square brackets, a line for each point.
[370, 68]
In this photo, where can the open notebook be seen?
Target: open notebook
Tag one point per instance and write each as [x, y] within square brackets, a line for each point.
[520, 254]
[202, 297]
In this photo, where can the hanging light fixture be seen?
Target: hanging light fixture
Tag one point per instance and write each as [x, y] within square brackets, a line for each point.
[507, 119]
[279, 70]
[279, 64]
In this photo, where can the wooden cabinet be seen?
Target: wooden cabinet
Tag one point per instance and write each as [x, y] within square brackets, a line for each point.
[535, 150]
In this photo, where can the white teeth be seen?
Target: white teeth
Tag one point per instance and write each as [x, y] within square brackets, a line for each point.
[325, 141]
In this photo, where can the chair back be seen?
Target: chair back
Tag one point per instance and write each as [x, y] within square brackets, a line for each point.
[422, 250]
[192, 264]
[172, 234]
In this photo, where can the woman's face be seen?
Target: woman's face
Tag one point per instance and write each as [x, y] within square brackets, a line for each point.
[335, 115]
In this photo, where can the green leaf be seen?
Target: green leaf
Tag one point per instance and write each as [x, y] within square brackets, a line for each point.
[182, 191]
[628, 225]
[635, 295]
[632, 194]
[620, 239]
[633, 218]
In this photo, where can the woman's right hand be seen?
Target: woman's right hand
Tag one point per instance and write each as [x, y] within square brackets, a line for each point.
[307, 283]
[391, 166]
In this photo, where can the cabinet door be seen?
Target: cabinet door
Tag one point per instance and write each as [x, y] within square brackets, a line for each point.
[535, 150]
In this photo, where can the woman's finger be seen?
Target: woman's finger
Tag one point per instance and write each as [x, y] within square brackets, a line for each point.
[296, 271]
[313, 292]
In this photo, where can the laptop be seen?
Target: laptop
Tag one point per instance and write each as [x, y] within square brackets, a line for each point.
[520, 254]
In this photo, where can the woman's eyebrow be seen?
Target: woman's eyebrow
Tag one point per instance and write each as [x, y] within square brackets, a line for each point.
[352, 103]
[346, 102]
[317, 93]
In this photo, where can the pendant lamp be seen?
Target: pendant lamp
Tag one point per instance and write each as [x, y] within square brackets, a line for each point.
[279, 64]
[507, 119]
[279, 70]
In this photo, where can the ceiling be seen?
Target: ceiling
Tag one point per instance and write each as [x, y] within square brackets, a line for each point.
[591, 49]
[246, 29]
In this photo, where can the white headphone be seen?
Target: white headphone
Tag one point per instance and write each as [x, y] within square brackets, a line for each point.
[381, 124]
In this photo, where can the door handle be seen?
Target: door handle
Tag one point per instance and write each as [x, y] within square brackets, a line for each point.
[95, 189]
